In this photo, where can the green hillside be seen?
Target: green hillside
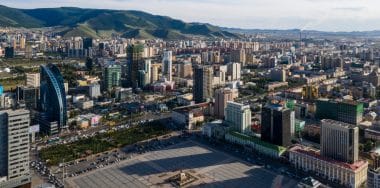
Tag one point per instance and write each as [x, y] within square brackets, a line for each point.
[100, 23]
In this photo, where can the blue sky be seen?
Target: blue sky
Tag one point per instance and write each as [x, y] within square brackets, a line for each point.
[326, 15]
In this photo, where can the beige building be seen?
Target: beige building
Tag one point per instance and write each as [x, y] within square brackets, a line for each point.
[309, 160]
[32, 79]
[339, 141]
[221, 97]
[185, 70]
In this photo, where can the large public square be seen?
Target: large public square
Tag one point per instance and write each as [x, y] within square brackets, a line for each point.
[207, 167]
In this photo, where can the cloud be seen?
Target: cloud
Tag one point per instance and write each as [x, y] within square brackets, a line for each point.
[354, 9]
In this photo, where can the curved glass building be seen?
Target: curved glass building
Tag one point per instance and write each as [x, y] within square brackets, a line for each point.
[52, 95]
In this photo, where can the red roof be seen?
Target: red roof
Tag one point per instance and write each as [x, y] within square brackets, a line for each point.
[353, 167]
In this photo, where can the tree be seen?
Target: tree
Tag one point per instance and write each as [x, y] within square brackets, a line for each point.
[368, 146]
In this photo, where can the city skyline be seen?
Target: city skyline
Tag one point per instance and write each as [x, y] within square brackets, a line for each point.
[323, 15]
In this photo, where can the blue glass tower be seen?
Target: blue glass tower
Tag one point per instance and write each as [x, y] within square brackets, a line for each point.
[52, 95]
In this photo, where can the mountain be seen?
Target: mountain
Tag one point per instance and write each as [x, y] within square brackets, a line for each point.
[297, 33]
[102, 23]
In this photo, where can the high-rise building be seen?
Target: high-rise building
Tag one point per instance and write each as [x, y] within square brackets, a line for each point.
[277, 125]
[339, 141]
[222, 96]
[238, 56]
[148, 70]
[53, 96]
[112, 76]
[87, 43]
[28, 95]
[185, 70]
[14, 147]
[167, 65]
[238, 116]
[345, 111]
[32, 79]
[154, 76]
[202, 89]
[135, 62]
[9, 52]
[234, 71]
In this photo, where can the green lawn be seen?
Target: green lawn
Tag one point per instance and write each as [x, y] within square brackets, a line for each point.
[100, 143]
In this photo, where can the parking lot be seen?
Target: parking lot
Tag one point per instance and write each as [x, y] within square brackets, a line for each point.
[211, 168]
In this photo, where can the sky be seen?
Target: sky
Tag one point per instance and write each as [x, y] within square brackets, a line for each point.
[323, 15]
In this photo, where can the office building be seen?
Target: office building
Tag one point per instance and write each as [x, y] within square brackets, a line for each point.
[222, 96]
[167, 65]
[112, 76]
[9, 52]
[52, 95]
[28, 96]
[203, 78]
[234, 71]
[32, 79]
[238, 116]
[135, 62]
[339, 141]
[373, 178]
[345, 111]
[277, 125]
[14, 147]
[345, 174]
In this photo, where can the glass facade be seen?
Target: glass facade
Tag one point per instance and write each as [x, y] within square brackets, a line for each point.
[52, 95]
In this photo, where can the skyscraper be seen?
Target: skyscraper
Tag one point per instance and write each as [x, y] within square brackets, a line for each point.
[277, 125]
[239, 116]
[112, 75]
[135, 62]
[14, 147]
[202, 89]
[52, 95]
[339, 141]
[222, 96]
[167, 65]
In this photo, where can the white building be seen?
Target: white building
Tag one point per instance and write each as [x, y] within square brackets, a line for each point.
[238, 116]
[309, 160]
[234, 71]
[94, 91]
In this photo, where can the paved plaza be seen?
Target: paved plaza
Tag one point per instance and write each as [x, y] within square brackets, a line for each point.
[210, 168]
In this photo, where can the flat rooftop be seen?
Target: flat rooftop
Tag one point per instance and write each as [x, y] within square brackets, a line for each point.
[211, 168]
[313, 153]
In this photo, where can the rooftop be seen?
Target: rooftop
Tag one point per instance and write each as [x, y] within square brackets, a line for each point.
[258, 141]
[337, 123]
[307, 151]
